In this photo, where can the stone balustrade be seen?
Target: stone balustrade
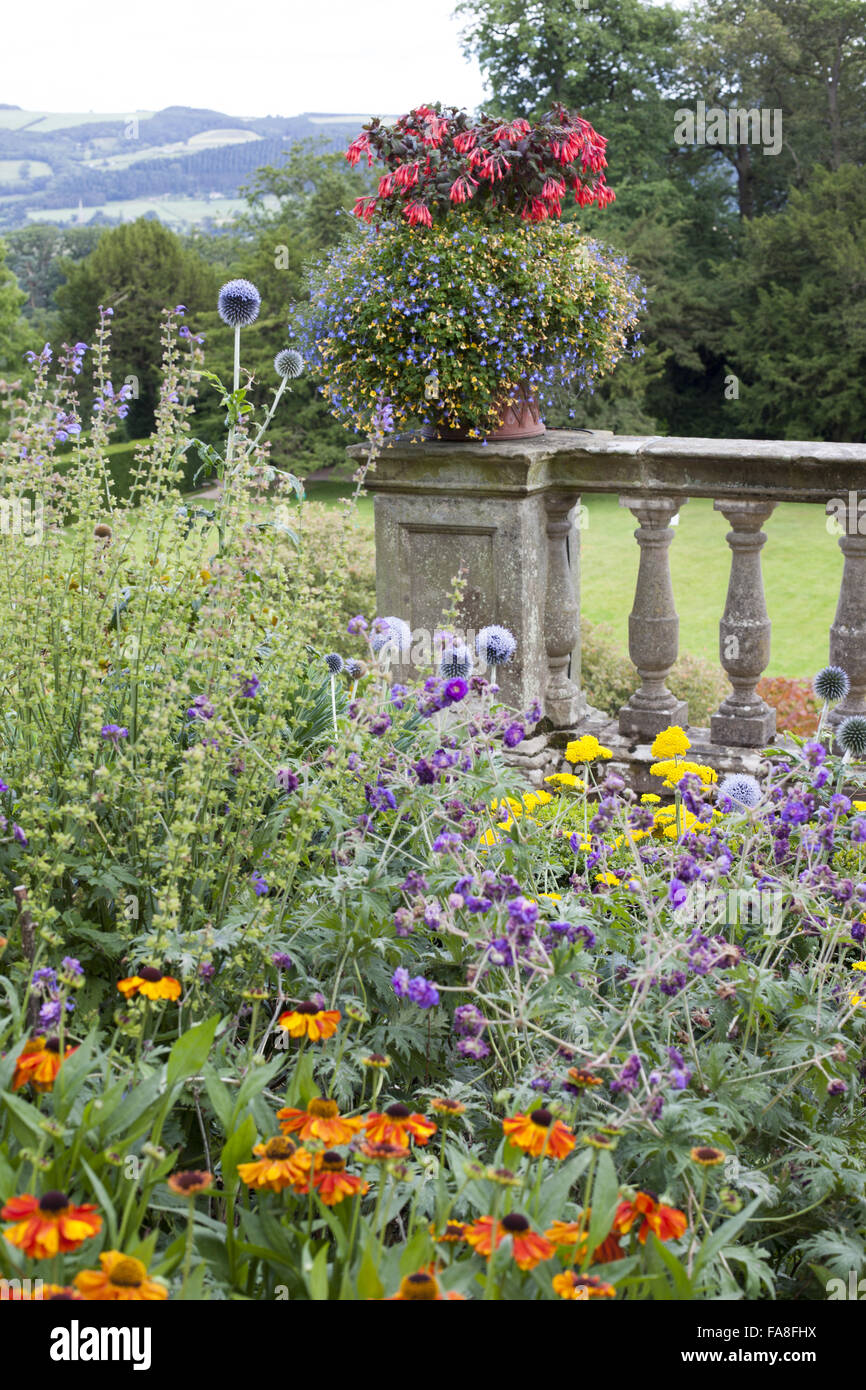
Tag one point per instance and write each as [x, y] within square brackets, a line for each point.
[504, 513]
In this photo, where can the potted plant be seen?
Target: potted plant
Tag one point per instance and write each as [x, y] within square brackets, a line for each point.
[464, 298]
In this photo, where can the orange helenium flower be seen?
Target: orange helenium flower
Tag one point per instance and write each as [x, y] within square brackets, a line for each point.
[383, 1153]
[188, 1182]
[581, 1286]
[309, 1021]
[528, 1248]
[539, 1133]
[447, 1107]
[321, 1120]
[50, 1225]
[422, 1288]
[451, 1233]
[151, 983]
[39, 1062]
[122, 1279]
[396, 1126]
[575, 1233]
[666, 1222]
[280, 1164]
[332, 1182]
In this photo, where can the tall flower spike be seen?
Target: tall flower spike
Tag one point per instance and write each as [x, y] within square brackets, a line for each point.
[495, 645]
[456, 663]
[742, 789]
[852, 736]
[390, 630]
[239, 303]
[831, 684]
[288, 364]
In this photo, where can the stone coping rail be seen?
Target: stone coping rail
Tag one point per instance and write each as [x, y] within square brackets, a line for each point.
[505, 512]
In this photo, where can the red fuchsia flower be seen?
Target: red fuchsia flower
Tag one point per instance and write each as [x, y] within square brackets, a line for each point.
[535, 211]
[465, 141]
[512, 132]
[360, 146]
[407, 175]
[461, 189]
[553, 189]
[418, 213]
[386, 185]
[436, 128]
[364, 208]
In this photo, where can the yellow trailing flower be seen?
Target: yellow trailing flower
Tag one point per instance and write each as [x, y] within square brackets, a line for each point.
[672, 742]
[586, 750]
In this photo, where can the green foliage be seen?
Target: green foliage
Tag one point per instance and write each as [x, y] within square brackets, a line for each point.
[136, 269]
[424, 322]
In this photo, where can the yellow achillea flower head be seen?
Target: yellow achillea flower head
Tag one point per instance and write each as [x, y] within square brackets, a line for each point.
[566, 779]
[649, 798]
[673, 771]
[672, 742]
[586, 750]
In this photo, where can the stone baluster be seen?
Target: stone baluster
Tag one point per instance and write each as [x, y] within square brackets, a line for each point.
[848, 633]
[744, 719]
[563, 701]
[653, 625]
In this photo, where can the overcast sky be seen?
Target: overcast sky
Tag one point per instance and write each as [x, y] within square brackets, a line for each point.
[258, 58]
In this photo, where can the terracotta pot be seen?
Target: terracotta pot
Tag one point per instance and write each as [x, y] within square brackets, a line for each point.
[521, 420]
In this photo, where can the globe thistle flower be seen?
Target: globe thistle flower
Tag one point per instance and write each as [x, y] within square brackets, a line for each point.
[390, 632]
[334, 663]
[831, 684]
[353, 669]
[239, 303]
[456, 662]
[852, 736]
[288, 364]
[742, 789]
[495, 645]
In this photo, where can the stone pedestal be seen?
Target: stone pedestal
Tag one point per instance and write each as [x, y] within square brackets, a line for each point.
[443, 506]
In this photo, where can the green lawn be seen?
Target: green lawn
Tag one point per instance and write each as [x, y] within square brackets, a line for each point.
[802, 570]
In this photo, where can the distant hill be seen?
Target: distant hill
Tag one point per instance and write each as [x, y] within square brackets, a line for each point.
[183, 164]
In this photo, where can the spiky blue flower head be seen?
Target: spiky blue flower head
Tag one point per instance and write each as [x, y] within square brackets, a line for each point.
[495, 645]
[456, 662]
[851, 735]
[239, 303]
[334, 663]
[288, 363]
[741, 788]
[353, 669]
[831, 685]
[390, 630]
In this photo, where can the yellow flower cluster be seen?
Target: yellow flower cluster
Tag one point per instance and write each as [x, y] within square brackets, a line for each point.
[586, 750]
[568, 779]
[672, 770]
[672, 742]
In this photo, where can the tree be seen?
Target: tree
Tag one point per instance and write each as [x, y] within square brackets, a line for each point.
[274, 245]
[12, 335]
[138, 269]
[798, 339]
